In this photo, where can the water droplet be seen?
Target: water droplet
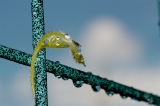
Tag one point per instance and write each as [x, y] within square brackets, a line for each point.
[64, 78]
[78, 84]
[58, 76]
[57, 44]
[96, 88]
[110, 93]
[60, 38]
[67, 36]
[57, 38]
[46, 41]
[57, 62]
[123, 97]
[79, 49]
[134, 100]
[90, 73]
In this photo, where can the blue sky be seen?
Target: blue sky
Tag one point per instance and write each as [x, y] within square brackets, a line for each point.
[120, 41]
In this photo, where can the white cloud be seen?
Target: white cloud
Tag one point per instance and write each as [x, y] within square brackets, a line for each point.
[21, 88]
[108, 40]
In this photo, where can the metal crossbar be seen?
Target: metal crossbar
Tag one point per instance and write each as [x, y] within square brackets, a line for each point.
[37, 33]
[77, 75]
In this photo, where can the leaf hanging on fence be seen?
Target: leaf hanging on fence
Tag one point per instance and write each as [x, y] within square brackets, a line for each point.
[56, 40]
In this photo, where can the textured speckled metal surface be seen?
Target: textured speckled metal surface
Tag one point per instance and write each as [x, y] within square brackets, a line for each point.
[41, 98]
[77, 75]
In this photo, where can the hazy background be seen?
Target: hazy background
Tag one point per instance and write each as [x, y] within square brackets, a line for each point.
[120, 41]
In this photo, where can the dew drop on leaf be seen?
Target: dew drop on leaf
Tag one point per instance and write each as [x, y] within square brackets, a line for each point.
[67, 36]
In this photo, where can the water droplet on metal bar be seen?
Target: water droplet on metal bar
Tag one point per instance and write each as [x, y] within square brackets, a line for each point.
[64, 78]
[134, 100]
[58, 76]
[78, 84]
[57, 62]
[110, 93]
[96, 88]
[123, 97]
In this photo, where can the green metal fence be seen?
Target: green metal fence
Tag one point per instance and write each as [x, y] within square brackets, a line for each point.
[77, 76]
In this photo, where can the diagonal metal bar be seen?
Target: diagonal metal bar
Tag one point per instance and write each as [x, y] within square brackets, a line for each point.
[40, 79]
[78, 75]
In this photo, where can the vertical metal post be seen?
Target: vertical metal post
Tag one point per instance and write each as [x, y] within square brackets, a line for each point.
[37, 33]
[158, 1]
